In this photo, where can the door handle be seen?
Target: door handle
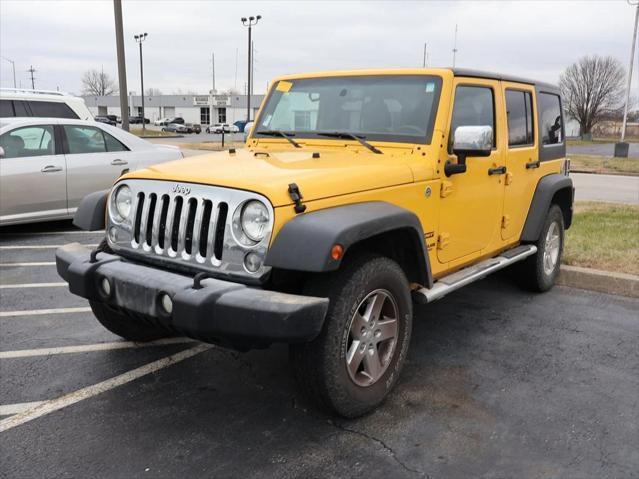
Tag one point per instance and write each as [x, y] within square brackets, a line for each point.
[51, 169]
[119, 162]
[500, 170]
[532, 164]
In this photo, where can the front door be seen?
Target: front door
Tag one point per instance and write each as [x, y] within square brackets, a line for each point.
[95, 160]
[472, 201]
[33, 180]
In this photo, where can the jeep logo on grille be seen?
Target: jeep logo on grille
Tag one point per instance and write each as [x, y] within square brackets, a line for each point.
[180, 189]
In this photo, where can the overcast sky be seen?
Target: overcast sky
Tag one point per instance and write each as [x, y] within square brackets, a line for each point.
[62, 39]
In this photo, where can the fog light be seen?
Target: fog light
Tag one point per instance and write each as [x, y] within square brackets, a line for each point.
[113, 234]
[106, 287]
[167, 303]
[252, 262]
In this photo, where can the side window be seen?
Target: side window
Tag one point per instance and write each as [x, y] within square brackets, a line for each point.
[519, 112]
[84, 139]
[20, 108]
[474, 106]
[550, 119]
[28, 141]
[6, 109]
[113, 144]
[52, 109]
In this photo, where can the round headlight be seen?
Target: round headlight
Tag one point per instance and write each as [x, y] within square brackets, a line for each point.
[254, 220]
[122, 201]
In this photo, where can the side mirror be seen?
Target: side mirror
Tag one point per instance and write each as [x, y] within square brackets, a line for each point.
[1, 152]
[469, 141]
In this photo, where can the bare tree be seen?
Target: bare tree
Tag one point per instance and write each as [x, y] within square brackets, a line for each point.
[153, 92]
[592, 88]
[98, 83]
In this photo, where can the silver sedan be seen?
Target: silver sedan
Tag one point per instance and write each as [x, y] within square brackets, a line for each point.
[47, 165]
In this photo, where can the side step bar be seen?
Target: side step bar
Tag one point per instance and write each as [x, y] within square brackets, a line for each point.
[473, 273]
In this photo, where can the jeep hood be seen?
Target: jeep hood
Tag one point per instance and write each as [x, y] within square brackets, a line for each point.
[332, 174]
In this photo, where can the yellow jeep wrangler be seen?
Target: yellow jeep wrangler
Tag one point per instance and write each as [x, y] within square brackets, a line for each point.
[358, 193]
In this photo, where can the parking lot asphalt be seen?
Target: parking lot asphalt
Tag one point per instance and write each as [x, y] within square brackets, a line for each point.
[500, 383]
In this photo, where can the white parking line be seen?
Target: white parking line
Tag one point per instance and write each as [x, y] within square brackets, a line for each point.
[37, 312]
[90, 391]
[38, 263]
[84, 348]
[39, 246]
[17, 408]
[32, 285]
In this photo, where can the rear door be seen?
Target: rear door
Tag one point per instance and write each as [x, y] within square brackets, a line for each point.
[95, 159]
[33, 179]
[522, 157]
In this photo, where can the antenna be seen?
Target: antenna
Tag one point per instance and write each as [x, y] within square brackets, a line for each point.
[32, 71]
[455, 46]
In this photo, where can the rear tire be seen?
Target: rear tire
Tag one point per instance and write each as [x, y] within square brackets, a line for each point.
[539, 271]
[126, 325]
[353, 364]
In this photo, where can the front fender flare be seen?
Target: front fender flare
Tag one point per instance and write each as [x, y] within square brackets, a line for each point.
[305, 242]
[90, 215]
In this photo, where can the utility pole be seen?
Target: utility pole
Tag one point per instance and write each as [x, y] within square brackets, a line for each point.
[32, 71]
[249, 22]
[236, 56]
[139, 39]
[213, 91]
[455, 46]
[621, 148]
[119, 41]
[13, 64]
[425, 55]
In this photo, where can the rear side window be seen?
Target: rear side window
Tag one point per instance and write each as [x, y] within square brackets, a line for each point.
[20, 108]
[52, 109]
[520, 118]
[28, 141]
[474, 106]
[11, 108]
[6, 109]
[113, 144]
[550, 119]
[84, 139]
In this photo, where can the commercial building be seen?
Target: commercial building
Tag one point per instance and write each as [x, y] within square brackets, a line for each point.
[202, 109]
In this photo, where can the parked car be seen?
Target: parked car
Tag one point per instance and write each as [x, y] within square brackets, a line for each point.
[178, 119]
[219, 127]
[138, 120]
[247, 129]
[114, 118]
[41, 103]
[325, 231]
[240, 124]
[176, 128]
[105, 119]
[161, 122]
[47, 165]
[194, 128]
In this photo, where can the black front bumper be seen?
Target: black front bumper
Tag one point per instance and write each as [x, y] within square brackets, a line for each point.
[220, 311]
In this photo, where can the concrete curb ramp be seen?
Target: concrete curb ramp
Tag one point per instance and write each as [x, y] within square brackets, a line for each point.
[596, 280]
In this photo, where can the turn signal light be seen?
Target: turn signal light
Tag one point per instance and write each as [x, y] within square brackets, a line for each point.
[337, 251]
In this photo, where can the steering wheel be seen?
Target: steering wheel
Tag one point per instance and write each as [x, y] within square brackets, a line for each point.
[411, 129]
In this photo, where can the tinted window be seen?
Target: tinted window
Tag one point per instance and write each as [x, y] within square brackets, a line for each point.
[550, 119]
[51, 109]
[520, 124]
[84, 139]
[28, 141]
[113, 144]
[474, 106]
[6, 109]
[20, 108]
[386, 108]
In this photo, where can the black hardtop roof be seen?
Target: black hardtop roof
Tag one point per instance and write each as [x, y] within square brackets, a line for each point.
[467, 72]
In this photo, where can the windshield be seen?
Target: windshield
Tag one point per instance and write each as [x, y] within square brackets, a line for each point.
[399, 108]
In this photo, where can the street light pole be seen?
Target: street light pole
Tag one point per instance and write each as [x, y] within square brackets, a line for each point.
[139, 39]
[249, 22]
[13, 64]
[632, 58]
[119, 42]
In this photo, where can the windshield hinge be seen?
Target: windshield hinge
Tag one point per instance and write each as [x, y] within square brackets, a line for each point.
[296, 196]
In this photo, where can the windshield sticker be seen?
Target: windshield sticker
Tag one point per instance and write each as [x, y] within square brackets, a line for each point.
[284, 86]
[430, 87]
[267, 120]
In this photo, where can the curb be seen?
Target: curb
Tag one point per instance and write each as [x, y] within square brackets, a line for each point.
[596, 280]
[614, 173]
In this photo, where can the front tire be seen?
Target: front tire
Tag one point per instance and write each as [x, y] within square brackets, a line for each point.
[353, 364]
[125, 325]
[539, 271]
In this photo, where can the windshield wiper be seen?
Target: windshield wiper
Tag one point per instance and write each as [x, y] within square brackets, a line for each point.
[352, 136]
[283, 134]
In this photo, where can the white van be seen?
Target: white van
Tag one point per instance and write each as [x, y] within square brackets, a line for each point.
[42, 104]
